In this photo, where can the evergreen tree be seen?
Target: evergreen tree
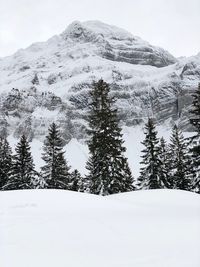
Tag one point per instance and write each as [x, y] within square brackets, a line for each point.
[195, 140]
[164, 164]
[83, 184]
[75, 182]
[55, 171]
[78, 182]
[108, 168]
[22, 171]
[39, 182]
[5, 162]
[150, 177]
[3, 126]
[180, 164]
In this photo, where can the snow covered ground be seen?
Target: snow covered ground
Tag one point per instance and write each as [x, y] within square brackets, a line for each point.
[48, 228]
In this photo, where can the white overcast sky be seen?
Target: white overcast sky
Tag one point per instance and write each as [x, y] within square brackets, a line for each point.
[171, 24]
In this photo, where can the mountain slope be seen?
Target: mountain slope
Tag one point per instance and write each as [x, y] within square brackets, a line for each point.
[51, 80]
[60, 228]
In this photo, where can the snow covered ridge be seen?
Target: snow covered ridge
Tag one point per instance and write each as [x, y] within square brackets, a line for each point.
[54, 77]
[61, 228]
[117, 44]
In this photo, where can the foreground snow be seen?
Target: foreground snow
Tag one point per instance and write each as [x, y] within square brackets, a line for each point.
[154, 228]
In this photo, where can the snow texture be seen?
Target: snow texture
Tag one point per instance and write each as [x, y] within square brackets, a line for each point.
[61, 228]
[56, 75]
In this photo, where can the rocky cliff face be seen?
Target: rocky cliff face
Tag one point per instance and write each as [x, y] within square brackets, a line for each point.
[50, 81]
[116, 44]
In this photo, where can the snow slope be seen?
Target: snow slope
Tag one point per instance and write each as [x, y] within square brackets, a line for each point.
[156, 228]
[53, 77]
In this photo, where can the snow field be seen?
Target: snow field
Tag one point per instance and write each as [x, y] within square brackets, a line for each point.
[156, 228]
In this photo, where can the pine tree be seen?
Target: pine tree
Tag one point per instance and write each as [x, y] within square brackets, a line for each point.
[78, 182]
[55, 171]
[83, 185]
[5, 162]
[39, 182]
[180, 164]
[22, 171]
[150, 177]
[3, 126]
[108, 168]
[75, 180]
[164, 158]
[195, 140]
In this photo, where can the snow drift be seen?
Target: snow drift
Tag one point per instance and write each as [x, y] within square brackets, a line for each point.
[60, 228]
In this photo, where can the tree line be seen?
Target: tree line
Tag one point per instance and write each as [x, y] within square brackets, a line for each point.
[175, 165]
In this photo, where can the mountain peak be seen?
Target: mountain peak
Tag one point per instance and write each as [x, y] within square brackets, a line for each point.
[55, 76]
[97, 28]
[75, 29]
[107, 30]
[115, 44]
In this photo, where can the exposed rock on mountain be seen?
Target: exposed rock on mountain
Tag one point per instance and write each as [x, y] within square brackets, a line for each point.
[50, 81]
[116, 44]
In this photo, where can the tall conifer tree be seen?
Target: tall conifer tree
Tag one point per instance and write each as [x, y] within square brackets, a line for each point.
[195, 140]
[76, 181]
[108, 168]
[22, 170]
[150, 172]
[180, 163]
[55, 171]
[164, 169]
[5, 162]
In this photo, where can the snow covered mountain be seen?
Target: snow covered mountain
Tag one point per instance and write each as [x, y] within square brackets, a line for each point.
[50, 81]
